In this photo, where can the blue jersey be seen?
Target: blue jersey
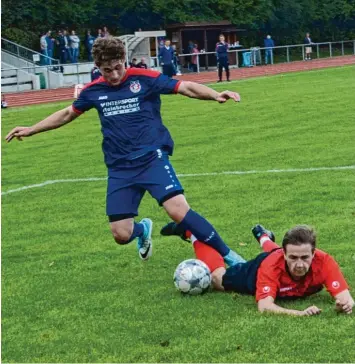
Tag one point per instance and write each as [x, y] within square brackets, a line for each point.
[221, 50]
[130, 117]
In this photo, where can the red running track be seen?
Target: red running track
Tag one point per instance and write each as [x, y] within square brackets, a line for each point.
[63, 94]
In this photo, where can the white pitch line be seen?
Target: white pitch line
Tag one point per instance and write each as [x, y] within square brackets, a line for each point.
[207, 174]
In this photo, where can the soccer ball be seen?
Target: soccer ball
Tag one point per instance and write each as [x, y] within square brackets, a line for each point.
[192, 277]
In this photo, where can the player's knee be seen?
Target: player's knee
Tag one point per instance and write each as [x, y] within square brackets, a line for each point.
[216, 278]
[122, 230]
[177, 207]
[121, 234]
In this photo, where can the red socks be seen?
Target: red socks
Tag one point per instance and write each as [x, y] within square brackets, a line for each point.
[267, 244]
[206, 253]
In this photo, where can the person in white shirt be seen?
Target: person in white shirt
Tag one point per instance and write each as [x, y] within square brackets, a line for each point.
[74, 46]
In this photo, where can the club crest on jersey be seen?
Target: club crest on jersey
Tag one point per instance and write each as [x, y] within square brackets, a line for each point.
[135, 86]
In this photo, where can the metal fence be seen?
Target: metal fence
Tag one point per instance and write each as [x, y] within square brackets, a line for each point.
[204, 61]
[26, 53]
[254, 56]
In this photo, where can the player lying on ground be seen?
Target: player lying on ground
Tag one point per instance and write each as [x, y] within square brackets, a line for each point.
[136, 145]
[296, 270]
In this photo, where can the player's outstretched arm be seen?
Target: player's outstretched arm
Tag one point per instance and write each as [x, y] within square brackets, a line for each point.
[344, 302]
[53, 121]
[267, 305]
[202, 92]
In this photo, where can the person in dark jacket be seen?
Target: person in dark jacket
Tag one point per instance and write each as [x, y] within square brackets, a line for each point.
[166, 58]
[95, 73]
[142, 64]
[222, 57]
[133, 64]
[269, 44]
[89, 41]
[63, 46]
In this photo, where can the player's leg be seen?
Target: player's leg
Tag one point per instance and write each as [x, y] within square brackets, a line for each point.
[188, 219]
[220, 70]
[227, 69]
[162, 183]
[121, 207]
[211, 258]
[265, 238]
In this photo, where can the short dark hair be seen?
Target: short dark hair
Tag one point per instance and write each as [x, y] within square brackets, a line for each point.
[300, 234]
[108, 49]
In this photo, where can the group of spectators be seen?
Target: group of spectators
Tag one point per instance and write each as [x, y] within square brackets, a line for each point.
[67, 45]
[269, 44]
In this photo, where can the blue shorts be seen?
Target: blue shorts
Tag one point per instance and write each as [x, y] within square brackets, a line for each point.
[127, 184]
[242, 277]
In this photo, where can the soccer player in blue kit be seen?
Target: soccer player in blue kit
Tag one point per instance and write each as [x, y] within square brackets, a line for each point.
[137, 145]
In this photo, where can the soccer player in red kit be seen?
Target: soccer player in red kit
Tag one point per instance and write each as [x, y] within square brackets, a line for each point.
[296, 270]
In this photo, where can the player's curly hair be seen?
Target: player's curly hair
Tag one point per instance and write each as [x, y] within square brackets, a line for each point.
[300, 234]
[108, 49]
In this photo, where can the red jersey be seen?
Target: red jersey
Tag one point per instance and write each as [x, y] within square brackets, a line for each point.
[274, 280]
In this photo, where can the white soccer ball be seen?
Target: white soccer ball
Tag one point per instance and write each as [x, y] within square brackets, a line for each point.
[192, 277]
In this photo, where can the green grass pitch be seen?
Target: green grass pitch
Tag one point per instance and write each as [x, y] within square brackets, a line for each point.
[70, 294]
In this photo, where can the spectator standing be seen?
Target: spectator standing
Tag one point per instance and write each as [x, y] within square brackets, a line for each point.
[142, 64]
[307, 40]
[99, 33]
[269, 45]
[222, 57]
[74, 46]
[63, 45]
[195, 51]
[190, 48]
[105, 33]
[44, 49]
[166, 59]
[89, 41]
[176, 61]
[50, 46]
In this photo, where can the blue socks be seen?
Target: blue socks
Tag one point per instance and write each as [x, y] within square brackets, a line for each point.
[204, 231]
[138, 231]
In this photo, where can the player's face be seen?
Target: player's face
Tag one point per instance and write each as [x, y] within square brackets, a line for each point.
[299, 259]
[113, 72]
[221, 38]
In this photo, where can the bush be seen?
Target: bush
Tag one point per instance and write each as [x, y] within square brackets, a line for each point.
[25, 38]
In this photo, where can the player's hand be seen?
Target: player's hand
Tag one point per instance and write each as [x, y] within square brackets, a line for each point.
[344, 307]
[312, 310]
[226, 95]
[19, 132]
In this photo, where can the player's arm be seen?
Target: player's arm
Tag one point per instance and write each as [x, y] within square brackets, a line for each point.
[344, 302]
[202, 92]
[53, 121]
[267, 305]
[337, 286]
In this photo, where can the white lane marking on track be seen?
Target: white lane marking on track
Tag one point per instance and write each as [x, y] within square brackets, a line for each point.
[207, 174]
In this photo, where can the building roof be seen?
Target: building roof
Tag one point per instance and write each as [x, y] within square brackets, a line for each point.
[202, 24]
